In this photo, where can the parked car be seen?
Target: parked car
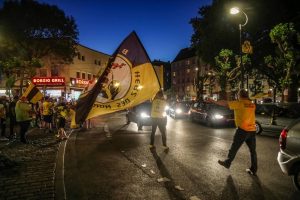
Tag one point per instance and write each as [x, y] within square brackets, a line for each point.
[273, 117]
[140, 114]
[289, 154]
[211, 114]
[179, 110]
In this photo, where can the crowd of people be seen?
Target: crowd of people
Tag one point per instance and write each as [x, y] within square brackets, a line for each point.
[49, 113]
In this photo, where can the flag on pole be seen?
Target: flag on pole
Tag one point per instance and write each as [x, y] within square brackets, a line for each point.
[128, 80]
[32, 94]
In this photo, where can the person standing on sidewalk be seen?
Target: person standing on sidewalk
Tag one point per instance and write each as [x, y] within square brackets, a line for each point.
[3, 115]
[159, 119]
[244, 116]
[23, 116]
[48, 113]
[12, 117]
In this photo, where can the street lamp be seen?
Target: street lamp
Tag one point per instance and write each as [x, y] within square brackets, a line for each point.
[234, 11]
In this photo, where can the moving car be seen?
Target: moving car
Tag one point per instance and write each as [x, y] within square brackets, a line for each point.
[211, 114]
[289, 154]
[179, 110]
[140, 114]
[273, 117]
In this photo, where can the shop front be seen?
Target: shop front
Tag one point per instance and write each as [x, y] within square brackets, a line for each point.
[77, 85]
[51, 86]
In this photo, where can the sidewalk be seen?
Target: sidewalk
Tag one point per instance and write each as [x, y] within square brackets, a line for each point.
[27, 171]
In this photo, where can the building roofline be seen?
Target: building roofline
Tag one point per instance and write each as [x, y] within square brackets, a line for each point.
[92, 49]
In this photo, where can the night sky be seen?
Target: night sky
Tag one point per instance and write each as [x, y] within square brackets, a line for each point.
[162, 25]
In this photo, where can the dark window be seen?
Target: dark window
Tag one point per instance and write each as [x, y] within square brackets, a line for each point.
[82, 58]
[79, 56]
[99, 62]
[94, 76]
[95, 62]
[54, 70]
[89, 76]
[77, 74]
[43, 72]
[83, 75]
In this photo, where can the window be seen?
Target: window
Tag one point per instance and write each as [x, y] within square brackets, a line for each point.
[188, 70]
[89, 76]
[174, 74]
[94, 76]
[77, 74]
[188, 88]
[43, 72]
[188, 62]
[82, 58]
[79, 56]
[54, 70]
[95, 62]
[83, 75]
[99, 62]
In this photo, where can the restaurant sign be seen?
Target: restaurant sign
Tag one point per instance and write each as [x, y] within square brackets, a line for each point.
[48, 80]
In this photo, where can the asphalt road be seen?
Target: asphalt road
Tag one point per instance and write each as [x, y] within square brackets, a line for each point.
[122, 166]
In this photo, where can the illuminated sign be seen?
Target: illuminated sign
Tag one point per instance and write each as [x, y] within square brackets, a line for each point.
[48, 80]
[79, 82]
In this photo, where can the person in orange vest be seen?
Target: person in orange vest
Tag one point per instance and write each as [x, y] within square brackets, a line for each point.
[159, 119]
[244, 115]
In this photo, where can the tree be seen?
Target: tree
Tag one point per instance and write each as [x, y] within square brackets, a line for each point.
[215, 29]
[224, 66]
[31, 31]
[286, 63]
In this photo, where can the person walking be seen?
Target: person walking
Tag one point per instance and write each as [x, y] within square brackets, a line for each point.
[23, 116]
[159, 119]
[244, 115]
[12, 117]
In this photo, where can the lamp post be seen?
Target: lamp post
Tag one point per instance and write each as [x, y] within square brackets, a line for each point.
[234, 11]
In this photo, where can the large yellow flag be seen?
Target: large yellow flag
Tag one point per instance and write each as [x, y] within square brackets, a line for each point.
[129, 79]
[33, 94]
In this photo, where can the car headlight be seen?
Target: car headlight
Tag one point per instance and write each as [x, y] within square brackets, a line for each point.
[144, 115]
[178, 111]
[218, 116]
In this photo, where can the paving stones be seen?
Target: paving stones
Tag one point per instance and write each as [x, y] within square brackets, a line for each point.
[27, 170]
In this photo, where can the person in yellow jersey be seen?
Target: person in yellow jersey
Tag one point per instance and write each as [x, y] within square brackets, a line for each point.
[47, 113]
[159, 119]
[244, 115]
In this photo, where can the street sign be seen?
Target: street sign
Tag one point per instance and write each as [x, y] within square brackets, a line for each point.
[247, 48]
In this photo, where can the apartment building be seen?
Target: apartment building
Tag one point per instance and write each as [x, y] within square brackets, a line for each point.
[186, 69]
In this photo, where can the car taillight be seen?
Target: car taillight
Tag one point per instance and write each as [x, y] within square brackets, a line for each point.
[282, 139]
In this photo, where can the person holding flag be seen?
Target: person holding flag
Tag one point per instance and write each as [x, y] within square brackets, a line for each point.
[23, 116]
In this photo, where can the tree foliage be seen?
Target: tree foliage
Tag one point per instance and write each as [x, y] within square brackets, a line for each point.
[31, 31]
[285, 63]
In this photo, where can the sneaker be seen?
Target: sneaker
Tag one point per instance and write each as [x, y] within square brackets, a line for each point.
[249, 171]
[224, 164]
[151, 146]
[166, 148]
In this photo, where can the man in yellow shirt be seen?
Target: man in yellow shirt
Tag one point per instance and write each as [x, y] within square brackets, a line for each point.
[244, 115]
[159, 119]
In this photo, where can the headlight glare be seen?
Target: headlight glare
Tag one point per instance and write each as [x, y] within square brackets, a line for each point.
[144, 115]
[178, 111]
[218, 116]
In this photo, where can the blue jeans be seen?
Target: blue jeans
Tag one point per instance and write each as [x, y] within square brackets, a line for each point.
[239, 138]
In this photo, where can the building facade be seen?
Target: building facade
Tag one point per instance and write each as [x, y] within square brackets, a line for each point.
[57, 79]
[186, 70]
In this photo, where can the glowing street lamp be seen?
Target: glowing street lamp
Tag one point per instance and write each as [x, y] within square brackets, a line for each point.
[234, 11]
